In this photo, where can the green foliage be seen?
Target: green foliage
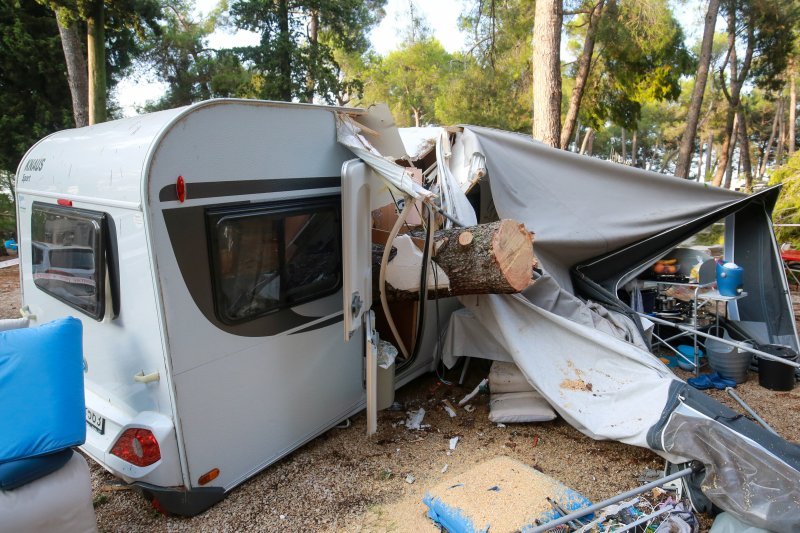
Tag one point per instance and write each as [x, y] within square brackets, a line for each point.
[639, 57]
[787, 209]
[34, 96]
[491, 84]
[179, 55]
[291, 61]
[409, 80]
[128, 23]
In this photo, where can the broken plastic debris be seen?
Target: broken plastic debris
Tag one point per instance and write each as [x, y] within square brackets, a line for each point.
[453, 443]
[449, 408]
[469, 408]
[410, 479]
[282, 517]
[386, 354]
[501, 425]
[495, 488]
[444, 468]
[415, 419]
[474, 392]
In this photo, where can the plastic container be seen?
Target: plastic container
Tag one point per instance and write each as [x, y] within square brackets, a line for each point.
[729, 279]
[773, 375]
[385, 385]
[731, 362]
[688, 352]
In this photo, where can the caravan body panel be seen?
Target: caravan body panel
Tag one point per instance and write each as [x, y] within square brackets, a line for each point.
[223, 378]
[247, 394]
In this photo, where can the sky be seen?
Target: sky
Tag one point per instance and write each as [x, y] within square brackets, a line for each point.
[441, 16]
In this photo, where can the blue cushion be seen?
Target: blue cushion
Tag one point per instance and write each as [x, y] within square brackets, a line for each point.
[42, 407]
[17, 473]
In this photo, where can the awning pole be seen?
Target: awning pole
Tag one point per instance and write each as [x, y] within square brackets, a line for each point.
[618, 498]
[747, 408]
[763, 355]
[371, 376]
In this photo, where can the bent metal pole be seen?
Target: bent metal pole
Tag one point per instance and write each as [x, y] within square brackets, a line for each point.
[695, 467]
[741, 346]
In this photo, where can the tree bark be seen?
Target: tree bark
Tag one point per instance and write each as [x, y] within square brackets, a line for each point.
[547, 23]
[744, 151]
[77, 71]
[775, 120]
[781, 134]
[284, 52]
[792, 112]
[313, 39]
[687, 141]
[737, 81]
[732, 148]
[634, 147]
[588, 141]
[709, 155]
[96, 51]
[495, 258]
[582, 74]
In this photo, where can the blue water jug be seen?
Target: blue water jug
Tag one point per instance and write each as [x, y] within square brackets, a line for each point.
[729, 279]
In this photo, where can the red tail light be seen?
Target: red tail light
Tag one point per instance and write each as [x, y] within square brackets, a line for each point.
[137, 446]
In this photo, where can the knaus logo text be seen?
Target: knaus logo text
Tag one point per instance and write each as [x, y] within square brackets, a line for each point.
[34, 165]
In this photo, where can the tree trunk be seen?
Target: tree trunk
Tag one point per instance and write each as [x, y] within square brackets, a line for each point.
[284, 52]
[792, 111]
[495, 258]
[547, 71]
[732, 148]
[577, 137]
[634, 147]
[709, 156]
[699, 160]
[96, 51]
[77, 72]
[313, 39]
[584, 65]
[775, 120]
[417, 116]
[693, 115]
[744, 151]
[624, 148]
[588, 139]
[781, 134]
[737, 81]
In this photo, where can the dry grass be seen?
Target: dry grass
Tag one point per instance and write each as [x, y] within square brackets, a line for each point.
[345, 481]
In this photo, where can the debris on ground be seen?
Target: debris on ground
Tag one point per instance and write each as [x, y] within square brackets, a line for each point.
[474, 392]
[414, 420]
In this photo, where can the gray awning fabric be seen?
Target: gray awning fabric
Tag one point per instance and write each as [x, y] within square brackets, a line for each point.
[600, 221]
[581, 207]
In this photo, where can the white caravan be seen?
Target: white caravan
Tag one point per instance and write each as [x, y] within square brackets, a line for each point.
[202, 248]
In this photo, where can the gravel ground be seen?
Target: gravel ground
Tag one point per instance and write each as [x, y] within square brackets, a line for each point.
[344, 481]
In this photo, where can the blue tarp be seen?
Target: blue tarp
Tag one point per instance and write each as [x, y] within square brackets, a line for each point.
[42, 407]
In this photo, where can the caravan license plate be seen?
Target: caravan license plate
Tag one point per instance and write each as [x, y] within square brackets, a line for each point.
[95, 421]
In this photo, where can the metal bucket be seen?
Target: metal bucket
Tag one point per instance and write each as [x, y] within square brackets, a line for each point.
[731, 362]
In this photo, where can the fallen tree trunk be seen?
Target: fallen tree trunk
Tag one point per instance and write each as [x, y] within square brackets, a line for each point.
[495, 258]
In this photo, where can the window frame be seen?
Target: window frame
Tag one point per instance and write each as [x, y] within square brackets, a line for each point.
[280, 210]
[100, 220]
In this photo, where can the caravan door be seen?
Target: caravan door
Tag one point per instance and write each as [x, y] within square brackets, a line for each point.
[356, 244]
[357, 182]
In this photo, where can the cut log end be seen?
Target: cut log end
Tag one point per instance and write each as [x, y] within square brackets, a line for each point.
[465, 238]
[512, 248]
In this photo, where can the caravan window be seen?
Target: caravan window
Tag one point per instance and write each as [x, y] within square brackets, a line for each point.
[270, 257]
[67, 255]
